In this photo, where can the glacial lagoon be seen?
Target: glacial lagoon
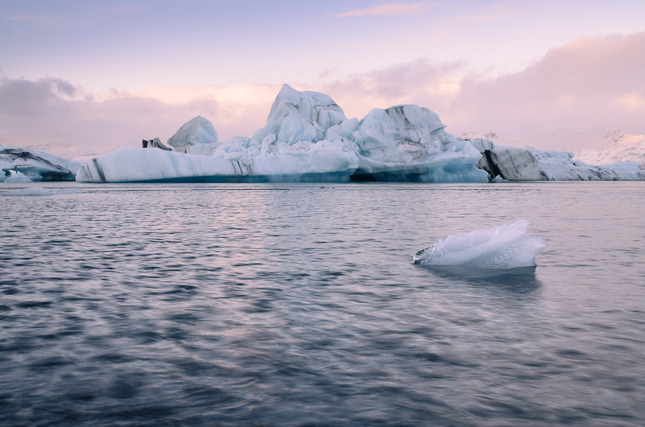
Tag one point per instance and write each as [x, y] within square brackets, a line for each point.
[291, 304]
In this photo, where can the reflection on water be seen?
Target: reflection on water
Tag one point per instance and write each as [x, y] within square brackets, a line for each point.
[298, 304]
[508, 275]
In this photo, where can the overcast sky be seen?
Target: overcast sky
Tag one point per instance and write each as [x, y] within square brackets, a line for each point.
[85, 77]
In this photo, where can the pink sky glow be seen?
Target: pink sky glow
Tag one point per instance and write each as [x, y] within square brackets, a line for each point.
[84, 78]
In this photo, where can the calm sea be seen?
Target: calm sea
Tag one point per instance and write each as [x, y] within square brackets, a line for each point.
[298, 304]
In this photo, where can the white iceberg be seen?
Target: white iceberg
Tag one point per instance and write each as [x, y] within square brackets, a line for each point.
[299, 116]
[17, 163]
[409, 143]
[197, 136]
[307, 137]
[503, 247]
[325, 161]
[145, 164]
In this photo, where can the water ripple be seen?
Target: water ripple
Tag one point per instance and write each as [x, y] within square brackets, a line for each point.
[233, 304]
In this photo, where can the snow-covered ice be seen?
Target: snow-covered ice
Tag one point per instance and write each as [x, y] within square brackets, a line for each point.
[196, 136]
[503, 247]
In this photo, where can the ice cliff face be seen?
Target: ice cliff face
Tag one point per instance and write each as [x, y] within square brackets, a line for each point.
[405, 133]
[520, 164]
[409, 143]
[34, 165]
[308, 137]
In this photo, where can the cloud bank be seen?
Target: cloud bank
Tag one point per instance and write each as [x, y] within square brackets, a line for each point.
[53, 115]
[567, 100]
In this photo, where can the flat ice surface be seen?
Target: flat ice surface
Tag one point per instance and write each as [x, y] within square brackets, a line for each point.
[503, 247]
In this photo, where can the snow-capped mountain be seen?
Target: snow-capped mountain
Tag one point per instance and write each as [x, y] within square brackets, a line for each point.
[618, 147]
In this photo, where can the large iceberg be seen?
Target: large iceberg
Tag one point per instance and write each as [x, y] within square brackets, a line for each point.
[307, 137]
[19, 164]
[292, 146]
[503, 247]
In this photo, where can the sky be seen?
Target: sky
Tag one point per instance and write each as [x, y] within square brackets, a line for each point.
[81, 78]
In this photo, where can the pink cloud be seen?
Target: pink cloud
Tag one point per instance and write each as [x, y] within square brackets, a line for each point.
[575, 93]
[42, 115]
[420, 82]
[587, 87]
[53, 115]
[590, 85]
[386, 9]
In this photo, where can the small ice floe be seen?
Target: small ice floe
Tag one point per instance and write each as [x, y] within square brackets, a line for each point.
[499, 249]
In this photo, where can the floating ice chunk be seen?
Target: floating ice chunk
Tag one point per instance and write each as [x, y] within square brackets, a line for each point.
[504, 247]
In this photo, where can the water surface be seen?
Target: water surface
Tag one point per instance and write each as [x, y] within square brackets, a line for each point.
[291, 304]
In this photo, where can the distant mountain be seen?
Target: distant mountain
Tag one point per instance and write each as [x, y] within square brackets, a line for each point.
[617, 147]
